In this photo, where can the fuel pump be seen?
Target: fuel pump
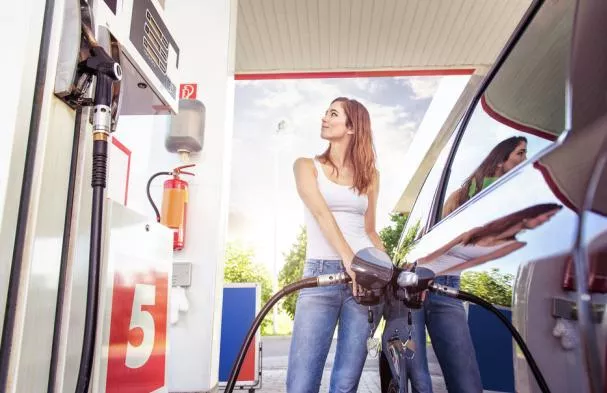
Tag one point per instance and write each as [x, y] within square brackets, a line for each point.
[100, 45]
[173, 212]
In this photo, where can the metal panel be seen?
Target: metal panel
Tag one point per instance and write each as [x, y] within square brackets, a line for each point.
[74, 296]
[40, 282]
[26, 25]
[35, 281]
[134, 302]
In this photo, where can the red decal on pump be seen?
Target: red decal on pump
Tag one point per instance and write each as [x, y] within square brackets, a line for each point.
[137, 345]
[188, 91]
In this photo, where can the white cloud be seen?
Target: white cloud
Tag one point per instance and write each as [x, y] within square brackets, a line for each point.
[285, 97]
[369, 86]
[422, 86]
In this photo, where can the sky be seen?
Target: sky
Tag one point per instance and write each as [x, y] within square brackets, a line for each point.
[263, 198]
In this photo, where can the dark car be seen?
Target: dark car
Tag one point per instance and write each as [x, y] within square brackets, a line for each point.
[549, 85]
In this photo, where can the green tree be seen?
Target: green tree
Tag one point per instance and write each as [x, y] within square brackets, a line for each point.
[390, 235]
[293, 270]
[241, 268]
[493, 286]
[400, 255]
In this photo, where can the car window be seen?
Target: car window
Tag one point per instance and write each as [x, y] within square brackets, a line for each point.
[521, 111]
[419, 214]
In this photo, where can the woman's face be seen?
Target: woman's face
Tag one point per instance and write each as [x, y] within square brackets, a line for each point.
[518, 155]
[334, 123]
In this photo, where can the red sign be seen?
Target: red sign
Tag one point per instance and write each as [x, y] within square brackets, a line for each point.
[137, 345]
[188, 91]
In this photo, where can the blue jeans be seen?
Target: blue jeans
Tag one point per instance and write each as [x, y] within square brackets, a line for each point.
[417, 368]
[447, 325]
[318, 312]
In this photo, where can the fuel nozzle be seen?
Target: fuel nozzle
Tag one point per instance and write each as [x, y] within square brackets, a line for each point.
[416, 280]
[374, 271]
[412, 284]
[106, 71]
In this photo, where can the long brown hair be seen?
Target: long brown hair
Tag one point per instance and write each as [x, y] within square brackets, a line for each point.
[498, 155]
[360, 152]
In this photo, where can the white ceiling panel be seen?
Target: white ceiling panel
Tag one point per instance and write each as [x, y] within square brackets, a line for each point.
[282, 36]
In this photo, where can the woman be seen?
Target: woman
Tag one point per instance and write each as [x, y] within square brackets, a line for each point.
[445, 317]
[505, 155]
[339, 189]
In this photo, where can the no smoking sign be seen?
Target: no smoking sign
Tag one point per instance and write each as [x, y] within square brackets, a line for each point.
[188, 91]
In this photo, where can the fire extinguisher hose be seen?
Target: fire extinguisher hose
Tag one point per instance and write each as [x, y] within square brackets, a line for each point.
[155, 175]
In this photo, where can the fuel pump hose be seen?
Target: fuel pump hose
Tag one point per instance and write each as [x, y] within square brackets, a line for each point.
[310, 282]
[106, 71]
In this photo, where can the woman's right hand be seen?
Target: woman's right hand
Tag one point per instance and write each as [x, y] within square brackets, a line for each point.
[348, 267]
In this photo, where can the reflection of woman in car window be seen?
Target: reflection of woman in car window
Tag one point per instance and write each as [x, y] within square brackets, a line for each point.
[491, 241]
[505, 156]
[445, 317]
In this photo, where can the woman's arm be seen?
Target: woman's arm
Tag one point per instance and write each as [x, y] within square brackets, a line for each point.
[500, 252]
[371, 214]
[442, 250]
[307, 188]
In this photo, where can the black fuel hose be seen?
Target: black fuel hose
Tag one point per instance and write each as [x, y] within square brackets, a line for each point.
[147, 189]
[107, 71]
[466, 296]
[98, 182]
[310, 282]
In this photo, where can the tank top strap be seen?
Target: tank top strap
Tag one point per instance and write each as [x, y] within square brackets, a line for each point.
[321, 172]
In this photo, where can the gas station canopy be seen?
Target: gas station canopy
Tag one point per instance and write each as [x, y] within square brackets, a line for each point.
[300, 38]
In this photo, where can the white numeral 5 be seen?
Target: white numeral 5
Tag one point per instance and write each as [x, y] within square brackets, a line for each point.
[137, 356]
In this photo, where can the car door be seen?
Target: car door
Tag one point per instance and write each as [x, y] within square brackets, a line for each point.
[527, 95]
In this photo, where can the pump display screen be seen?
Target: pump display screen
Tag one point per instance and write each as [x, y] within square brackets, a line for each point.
[153, 41]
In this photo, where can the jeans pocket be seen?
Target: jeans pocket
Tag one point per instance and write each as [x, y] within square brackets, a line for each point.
[311, 268]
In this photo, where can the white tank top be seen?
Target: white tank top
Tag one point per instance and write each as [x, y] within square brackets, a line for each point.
[349, 210]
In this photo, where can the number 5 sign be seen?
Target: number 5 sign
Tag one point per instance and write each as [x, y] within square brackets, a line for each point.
[137, 345]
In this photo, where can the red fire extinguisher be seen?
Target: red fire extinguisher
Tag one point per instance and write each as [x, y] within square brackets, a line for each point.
[174, 204]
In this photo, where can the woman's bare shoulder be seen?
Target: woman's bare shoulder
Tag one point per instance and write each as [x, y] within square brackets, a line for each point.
[303, 161]
[304, 164]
